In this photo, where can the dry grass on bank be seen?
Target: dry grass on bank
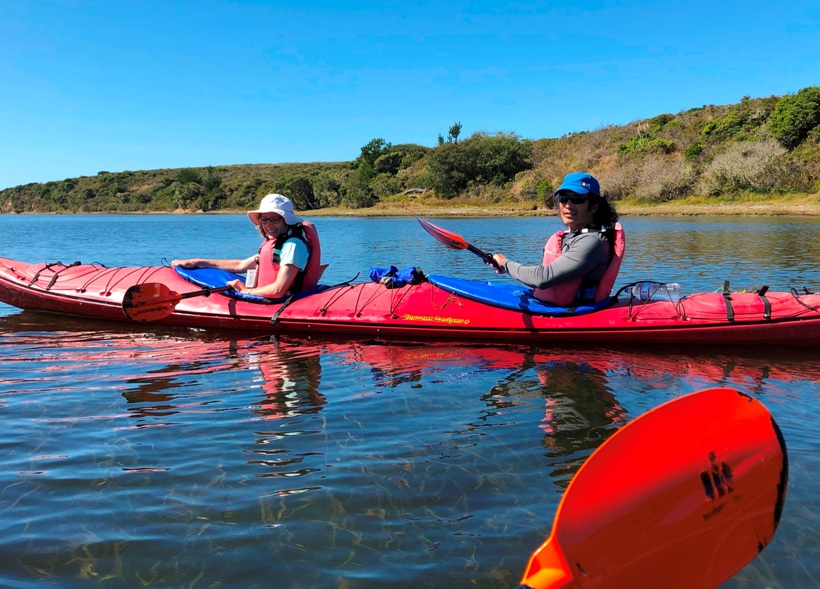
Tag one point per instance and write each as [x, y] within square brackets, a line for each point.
[695, 206]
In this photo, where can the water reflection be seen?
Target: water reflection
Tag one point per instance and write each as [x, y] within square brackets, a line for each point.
[290, 378]
[332, 460]
[579, 408]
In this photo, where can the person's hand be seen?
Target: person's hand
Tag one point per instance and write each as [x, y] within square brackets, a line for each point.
[500, 260]
[237, 285]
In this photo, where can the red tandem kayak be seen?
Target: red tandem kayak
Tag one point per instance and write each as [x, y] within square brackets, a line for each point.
[442, 308]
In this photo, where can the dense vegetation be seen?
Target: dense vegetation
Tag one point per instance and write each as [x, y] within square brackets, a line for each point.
[765, 145]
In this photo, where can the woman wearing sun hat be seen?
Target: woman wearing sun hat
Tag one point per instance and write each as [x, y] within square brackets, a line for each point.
[289, 259]
[581, 263]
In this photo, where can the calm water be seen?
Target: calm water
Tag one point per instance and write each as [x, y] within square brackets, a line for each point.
[183, 458]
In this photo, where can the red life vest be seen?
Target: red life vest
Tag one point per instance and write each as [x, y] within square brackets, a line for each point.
[268, 265]
[567, 293]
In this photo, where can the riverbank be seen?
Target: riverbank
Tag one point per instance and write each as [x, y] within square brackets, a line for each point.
[804, 206]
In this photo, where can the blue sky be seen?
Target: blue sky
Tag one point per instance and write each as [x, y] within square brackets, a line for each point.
[117, 85]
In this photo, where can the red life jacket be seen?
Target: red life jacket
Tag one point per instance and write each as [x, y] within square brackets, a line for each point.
[567, 293]
[268, 265]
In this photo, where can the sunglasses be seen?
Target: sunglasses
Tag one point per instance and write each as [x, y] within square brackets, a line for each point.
[576, 199]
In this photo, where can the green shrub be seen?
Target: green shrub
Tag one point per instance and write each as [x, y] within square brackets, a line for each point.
[642, 143]
[388, 163]
[187, 175]
[795, 116]
[411, 153]
[693, 151]
[212, 181]
[656, 124]
[537, 189]
[186, 194]
[636, 144]
[385, 185]
[660, 146]
[726, 127]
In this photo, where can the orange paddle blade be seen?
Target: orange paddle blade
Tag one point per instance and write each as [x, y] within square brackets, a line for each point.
[453, 240]
[448, 238]
[683, 497]
[151, 301]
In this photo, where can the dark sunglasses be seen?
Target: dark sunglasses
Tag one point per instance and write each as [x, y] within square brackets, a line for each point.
[576, 199]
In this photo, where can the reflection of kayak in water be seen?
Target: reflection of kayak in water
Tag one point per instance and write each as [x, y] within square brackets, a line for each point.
[192, 349]
[443, 308]
[684, 496]
[665, 482]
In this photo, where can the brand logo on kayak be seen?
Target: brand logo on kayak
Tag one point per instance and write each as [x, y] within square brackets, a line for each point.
[717, 480]
[436, 318]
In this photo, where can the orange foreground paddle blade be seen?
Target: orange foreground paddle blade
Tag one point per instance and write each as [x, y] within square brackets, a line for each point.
[682, 497]
[149, 302]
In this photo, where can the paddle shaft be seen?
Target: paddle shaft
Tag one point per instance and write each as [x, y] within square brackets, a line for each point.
[203, 292]
[483, 255]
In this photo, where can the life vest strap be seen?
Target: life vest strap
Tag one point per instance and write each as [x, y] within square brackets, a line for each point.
[767, 306]
[727, 299]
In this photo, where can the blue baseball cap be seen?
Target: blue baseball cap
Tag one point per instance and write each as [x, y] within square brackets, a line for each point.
[580, 183]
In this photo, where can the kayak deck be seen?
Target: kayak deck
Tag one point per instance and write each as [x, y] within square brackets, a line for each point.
[428, 310]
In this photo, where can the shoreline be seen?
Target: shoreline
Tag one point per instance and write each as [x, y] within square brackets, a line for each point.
[802, 208]
[750, 209]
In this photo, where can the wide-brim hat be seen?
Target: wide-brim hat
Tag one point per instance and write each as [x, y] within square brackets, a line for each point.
[275, 203]
[579, 183]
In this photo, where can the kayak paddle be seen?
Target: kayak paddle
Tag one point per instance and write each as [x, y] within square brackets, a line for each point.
[153, 301]
[453, 240]
[683, 497]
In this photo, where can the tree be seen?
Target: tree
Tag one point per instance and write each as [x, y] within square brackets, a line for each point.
[356, 192]
[450, 169]
[481, 159]
[455, 131]
[372, 151]
[300, 190]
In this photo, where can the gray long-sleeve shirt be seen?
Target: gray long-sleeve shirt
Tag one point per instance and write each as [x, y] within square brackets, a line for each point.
[584, 255]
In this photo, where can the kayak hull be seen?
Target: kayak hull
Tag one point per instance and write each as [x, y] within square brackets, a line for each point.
[421, 311]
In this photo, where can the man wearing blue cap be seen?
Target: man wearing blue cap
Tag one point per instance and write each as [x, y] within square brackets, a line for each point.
[580, 264]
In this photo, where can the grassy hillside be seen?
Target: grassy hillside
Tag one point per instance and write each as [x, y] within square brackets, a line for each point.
[757, 148]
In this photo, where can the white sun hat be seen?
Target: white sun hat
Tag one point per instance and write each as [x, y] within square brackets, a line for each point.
[275, 203]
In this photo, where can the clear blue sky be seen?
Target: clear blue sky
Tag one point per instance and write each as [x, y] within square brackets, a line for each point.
[121, 85]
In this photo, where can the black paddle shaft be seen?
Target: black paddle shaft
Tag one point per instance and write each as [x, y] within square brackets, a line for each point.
[484, 256]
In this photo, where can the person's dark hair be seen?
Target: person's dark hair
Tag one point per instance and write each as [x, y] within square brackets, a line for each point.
[605, 215]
